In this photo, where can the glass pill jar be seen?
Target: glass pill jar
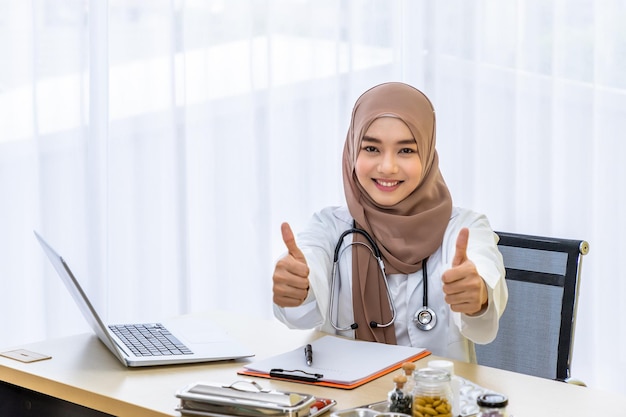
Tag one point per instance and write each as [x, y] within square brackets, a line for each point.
[492, 405]
[432, 394]
[399, 400]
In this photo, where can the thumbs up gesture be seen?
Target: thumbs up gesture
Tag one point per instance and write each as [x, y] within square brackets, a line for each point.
[291, 274]
[465, 291]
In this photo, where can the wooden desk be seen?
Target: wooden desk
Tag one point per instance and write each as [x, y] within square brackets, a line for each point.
[84, 372]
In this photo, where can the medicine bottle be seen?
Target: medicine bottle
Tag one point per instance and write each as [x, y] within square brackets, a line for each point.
[492, 405]
[399, 400]
[432, 395]
[455, 382]
[408, 368]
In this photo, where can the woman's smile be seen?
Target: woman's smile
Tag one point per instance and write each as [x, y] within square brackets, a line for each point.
[387, 185]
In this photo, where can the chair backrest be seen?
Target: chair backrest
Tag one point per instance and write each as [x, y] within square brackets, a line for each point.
[536, 332]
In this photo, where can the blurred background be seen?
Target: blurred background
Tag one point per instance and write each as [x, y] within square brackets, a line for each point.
[158, 145]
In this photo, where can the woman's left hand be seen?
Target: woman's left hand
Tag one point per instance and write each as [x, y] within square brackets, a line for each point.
[465, 291]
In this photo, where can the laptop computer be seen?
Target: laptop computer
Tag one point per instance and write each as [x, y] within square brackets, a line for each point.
[185, 339]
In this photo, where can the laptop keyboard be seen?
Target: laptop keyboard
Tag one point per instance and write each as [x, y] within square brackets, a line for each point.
[151, 339]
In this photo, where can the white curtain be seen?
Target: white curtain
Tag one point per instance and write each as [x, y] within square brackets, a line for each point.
[158, 145]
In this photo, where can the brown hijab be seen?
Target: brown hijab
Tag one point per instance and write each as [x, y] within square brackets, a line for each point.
[407, 232]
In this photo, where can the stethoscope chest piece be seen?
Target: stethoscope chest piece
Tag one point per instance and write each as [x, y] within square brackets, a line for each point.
[424, 318]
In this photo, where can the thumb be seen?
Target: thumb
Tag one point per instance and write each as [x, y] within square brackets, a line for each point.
[290, 242]
[460, 255]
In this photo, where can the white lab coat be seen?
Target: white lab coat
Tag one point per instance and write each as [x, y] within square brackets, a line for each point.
[453, 334]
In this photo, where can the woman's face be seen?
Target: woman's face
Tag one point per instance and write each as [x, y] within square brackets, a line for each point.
[387, 165]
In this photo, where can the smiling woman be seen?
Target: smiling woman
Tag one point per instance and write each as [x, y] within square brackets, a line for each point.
[160, 144]
[400, 242]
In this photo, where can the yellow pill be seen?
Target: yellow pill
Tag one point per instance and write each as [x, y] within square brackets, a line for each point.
[430, 411]
[417, 414]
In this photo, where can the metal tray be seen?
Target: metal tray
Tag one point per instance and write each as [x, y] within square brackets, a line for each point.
[380, 409]
[313, 411]
[242, 398]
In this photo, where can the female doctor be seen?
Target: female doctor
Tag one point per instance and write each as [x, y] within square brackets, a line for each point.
[399, 264]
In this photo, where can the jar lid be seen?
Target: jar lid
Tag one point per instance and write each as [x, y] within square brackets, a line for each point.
[432, 374]
[442, 364]
[492, 401]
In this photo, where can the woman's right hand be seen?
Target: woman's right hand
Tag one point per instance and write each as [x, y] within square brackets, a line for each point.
[291, 274]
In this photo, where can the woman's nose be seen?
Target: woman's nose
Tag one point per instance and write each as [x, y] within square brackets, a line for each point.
[388, 164]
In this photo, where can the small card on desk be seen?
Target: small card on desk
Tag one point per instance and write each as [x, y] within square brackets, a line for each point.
[24, 355]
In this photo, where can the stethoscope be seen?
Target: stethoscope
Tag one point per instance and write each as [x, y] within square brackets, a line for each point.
[424, 318]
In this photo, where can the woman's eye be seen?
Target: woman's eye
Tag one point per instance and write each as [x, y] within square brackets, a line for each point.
[369, 149]
[407, 150]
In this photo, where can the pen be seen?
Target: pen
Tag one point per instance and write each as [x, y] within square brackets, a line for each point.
[308, 354]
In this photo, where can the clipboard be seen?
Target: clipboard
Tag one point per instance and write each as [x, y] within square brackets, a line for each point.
[337, 362]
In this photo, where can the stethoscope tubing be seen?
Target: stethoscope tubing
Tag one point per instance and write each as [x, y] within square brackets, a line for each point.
[374, 250]
[424, 318]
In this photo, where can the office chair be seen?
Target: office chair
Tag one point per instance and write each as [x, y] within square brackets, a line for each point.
[536, 332]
